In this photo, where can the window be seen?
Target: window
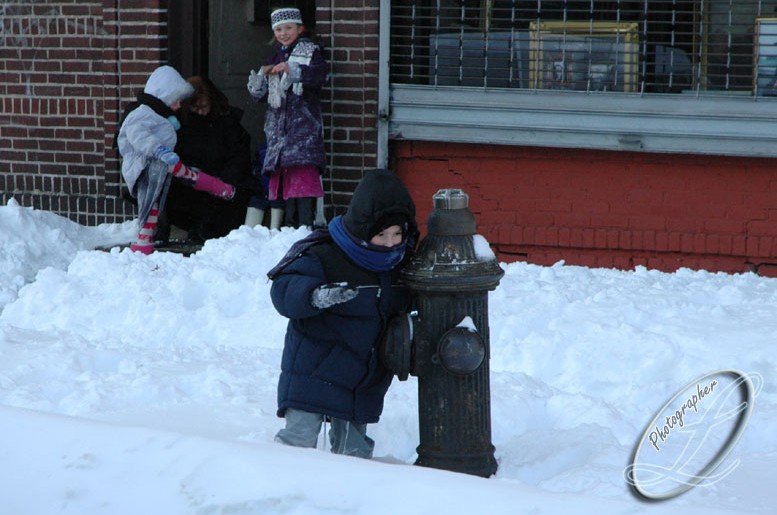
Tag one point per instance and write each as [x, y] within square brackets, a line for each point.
[677, 46]
[593, 59]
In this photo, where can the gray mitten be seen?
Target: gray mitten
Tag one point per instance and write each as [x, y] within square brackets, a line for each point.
[276, 93]
[255, 84]
[166, 155]
[327, 295]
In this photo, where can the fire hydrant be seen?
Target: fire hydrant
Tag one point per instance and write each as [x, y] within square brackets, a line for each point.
[446, 343]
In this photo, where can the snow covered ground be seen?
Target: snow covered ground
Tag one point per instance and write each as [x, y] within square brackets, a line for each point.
[146, 384]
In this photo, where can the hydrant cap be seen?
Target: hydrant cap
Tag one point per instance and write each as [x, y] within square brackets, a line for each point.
[451, 215]
[450, 198]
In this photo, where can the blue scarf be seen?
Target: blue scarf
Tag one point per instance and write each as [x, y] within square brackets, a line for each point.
[371, 257]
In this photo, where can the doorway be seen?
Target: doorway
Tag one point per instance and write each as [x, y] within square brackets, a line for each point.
[225, 40]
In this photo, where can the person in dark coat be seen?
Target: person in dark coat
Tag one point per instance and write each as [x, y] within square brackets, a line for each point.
[212, 139]
[338, 294]
[290, 82]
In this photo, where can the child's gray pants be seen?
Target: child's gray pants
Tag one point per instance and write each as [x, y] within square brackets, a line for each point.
[302, 429]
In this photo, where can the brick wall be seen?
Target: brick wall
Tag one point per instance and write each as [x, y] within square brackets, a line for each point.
[607, 209]
[68, 66]
[350, 31]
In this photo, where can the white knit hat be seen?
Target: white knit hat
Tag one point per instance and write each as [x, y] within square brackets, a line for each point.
[285, 15]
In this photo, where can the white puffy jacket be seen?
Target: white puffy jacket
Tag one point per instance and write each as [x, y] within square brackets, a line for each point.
[143, 131]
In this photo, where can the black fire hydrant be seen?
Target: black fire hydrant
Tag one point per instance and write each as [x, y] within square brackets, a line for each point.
[446, 344]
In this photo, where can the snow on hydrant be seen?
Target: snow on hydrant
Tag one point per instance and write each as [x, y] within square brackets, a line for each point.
[446, 344]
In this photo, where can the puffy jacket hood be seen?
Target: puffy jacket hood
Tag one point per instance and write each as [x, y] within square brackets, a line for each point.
[166, 84]
[379, 194]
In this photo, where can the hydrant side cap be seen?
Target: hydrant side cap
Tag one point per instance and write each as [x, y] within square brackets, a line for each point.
[461, 351]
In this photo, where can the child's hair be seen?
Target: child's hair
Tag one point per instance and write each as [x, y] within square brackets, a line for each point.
[204, 87]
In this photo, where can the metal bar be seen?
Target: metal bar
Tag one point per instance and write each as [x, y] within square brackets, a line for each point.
[384, 55]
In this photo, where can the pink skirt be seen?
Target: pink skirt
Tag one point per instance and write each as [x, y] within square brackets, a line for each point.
[295, 182]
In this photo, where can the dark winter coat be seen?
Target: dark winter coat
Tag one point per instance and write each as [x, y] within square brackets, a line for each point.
[217, 145]
[294, 131]
[220, 146]
[330, 363]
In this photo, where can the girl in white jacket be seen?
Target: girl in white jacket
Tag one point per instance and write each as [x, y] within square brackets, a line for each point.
[146, 139]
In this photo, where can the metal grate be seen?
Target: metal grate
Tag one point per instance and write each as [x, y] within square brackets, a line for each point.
[673, 46]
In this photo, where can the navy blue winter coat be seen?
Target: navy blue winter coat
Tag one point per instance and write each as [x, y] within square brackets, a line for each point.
[330, 363]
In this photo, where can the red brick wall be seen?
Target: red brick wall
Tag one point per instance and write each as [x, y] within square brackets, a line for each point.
[63, 64]
[607, 209]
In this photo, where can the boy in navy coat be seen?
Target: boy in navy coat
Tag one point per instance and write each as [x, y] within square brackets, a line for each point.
[338, 295]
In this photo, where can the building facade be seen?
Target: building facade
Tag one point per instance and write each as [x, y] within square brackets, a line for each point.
[611, 134]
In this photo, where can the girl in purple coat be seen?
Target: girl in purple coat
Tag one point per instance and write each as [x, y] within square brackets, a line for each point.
[290, 82]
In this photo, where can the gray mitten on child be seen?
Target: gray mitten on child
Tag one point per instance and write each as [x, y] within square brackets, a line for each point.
[327, 295]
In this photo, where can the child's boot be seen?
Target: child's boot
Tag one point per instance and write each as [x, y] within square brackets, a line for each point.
[145, 241]
[254, 217]
[214, 186]
[143, 248]
[320, 220]
[276, 218]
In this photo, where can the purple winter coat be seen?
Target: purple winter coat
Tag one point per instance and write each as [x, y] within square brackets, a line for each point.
[295, 131]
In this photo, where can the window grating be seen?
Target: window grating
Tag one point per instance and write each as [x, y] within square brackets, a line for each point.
[672, 46]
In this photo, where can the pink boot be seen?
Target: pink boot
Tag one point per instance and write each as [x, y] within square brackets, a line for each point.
[214, 186]
[143, 248]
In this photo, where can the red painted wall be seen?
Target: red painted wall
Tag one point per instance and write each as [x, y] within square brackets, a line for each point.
[606, 209]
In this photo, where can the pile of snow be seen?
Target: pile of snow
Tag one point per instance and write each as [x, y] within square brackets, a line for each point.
[146, 384]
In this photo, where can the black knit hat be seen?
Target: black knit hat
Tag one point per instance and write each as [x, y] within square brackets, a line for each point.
[387, 221]
[378, 195]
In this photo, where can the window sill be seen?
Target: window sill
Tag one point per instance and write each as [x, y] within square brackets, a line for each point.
[686, 123]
